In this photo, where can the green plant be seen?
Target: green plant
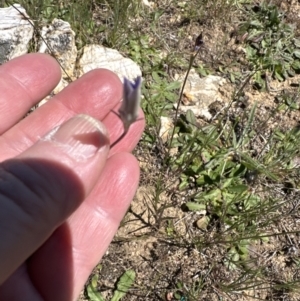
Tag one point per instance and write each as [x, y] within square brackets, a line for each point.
[271, 45]
[122, 287]
[160, 98]
[216, 166]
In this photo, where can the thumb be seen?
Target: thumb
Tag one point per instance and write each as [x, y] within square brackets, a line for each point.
[41, 187]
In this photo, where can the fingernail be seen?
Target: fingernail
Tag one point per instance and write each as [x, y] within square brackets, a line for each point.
[80, 137]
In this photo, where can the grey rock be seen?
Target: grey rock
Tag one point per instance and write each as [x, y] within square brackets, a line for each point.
[15, 32]
[59, 41]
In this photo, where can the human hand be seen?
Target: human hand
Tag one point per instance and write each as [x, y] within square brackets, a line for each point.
[63, 192]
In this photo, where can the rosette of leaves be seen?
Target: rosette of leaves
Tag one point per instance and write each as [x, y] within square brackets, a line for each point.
[271, 46]
[210, 168]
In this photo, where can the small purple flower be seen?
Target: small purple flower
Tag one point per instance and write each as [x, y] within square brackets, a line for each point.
[199, 42]
[129, 110]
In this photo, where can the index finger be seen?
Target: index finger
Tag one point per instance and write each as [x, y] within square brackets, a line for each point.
[24, 82]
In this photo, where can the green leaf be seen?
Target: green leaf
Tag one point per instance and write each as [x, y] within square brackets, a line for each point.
[252, 201]
[297, 43]
[232, 78]
[200, 180]
[233, 257]
[256, 23]
[190, 117]
[92, 292]
[297, 54]
[173, 86]
[264, 238]
[279, 76]
[170, 96]
[156, 77]
[227, 183]
[291, 72]
[264, 44]
[214, 194]
[195, 206]
[184, 184]
[296, 65]
[124, 285]
[240, 188]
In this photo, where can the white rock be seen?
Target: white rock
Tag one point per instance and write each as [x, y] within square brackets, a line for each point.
[166, 124]
[202, 223]
[199, 93]
[15, 32]
[147, 3]
[96, 56]
[60, 42]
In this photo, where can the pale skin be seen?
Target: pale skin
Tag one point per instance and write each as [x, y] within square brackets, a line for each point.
[59, 208]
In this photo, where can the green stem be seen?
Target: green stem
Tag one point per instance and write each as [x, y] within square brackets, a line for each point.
[192, 58]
